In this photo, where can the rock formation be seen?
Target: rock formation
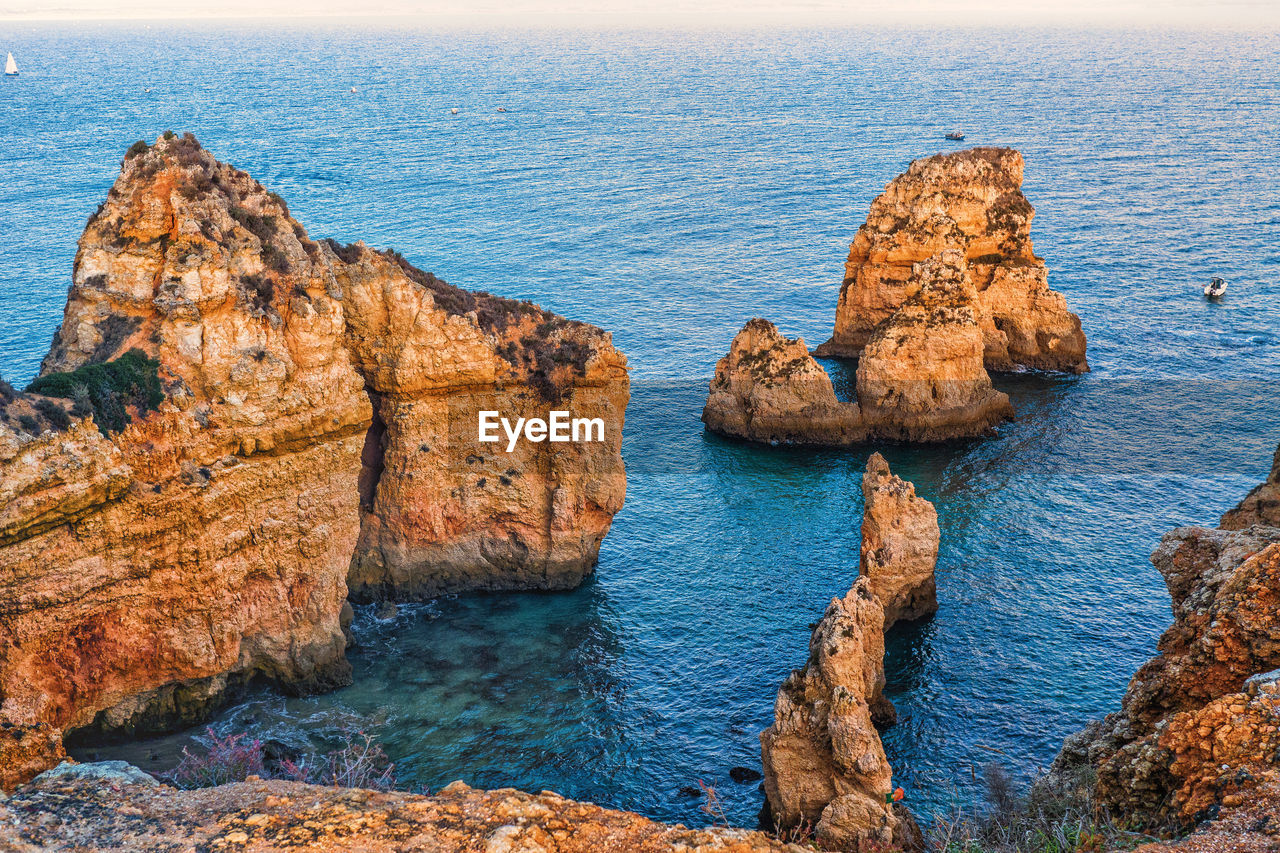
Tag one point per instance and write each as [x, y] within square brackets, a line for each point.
[1261, 506]
[26, 751]
[824, 764]
[899, 544]
[768, 388]
[110, 811]
[235, 421]
[970, 202]
[1199, 727]
[921, 378]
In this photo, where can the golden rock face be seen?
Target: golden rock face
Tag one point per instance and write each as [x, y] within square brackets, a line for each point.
[824, 764]
[900, 538]
[969, 202]
[920, 377]
[319, 425]
[1198, 731]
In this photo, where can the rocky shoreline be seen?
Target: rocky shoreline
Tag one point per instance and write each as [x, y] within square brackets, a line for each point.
[239, 429]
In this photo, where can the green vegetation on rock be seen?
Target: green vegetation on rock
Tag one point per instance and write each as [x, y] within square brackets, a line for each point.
[107, 389]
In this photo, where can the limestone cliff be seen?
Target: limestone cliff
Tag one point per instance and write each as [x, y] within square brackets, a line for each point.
[1261, 506]
[824, 764]
[257, 419]
[899, 544]
[1197, 729]
[970, 202]
[93, 808]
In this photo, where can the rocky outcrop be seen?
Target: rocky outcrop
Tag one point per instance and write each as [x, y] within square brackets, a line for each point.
[899, 544]
[118, 811]
[1248, 825]
[257, 420]
[1261, 506]
[921, 375]
[921, 378]
[824, 764]
[1198, 727]
[769, 389]
[969, 202]
[26, 751]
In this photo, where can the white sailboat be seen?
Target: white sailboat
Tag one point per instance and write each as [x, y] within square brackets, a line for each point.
[10, 67]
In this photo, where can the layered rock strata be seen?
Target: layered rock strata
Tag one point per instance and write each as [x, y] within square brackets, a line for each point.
[97, 810]
[970, 202]
[257, 420]
[824, 764]
[921, 378]
[1199, 727]
[899, 544]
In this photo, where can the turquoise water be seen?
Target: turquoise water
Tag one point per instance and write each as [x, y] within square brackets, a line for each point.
[669, 186]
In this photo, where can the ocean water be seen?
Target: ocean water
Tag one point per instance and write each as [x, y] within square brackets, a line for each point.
[668, 186]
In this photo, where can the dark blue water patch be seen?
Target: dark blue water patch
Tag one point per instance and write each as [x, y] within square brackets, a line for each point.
[669, 188]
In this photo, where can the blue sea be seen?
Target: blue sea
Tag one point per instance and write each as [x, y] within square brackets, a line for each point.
[668, 186]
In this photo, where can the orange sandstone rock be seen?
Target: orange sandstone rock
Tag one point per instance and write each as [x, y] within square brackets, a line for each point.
[768, 388]
[824, 764]
[970, 202]
[921, 375]
[899, 544]
[1197, 730]
[318, 427]
[921, 378]
[26, 751]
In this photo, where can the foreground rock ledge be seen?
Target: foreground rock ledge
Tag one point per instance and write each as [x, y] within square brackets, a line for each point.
[259, 423]
[112, 814]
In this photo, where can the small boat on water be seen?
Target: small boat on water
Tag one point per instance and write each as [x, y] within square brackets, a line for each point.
[1215, 288]
[10, 67]
[956, 136]
[453, 111]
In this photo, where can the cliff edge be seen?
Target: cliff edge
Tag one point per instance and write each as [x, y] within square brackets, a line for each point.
[237, 425]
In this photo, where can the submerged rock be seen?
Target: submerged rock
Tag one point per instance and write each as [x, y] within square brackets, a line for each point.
[273, 817]
[899, 544]
[258, 421]
[969, 202]
[824, 764]
[1198, 728]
